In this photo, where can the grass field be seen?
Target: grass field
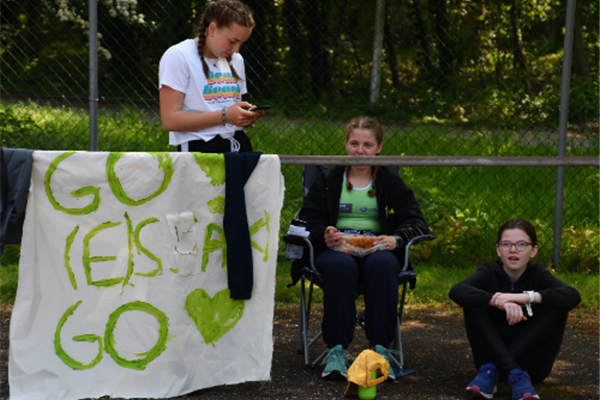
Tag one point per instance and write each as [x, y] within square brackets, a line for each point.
[463, 206]
[433, 285]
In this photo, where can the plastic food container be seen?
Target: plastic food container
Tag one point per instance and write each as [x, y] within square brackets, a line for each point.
[359, 245]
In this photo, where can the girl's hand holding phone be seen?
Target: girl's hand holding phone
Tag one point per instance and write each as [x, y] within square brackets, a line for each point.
[239, 116]
[258, 112]
[260, 108]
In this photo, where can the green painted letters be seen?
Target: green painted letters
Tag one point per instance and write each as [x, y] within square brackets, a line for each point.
[130, 250]
[211, 245]
[142, 249]
[60, 352]
[159, 347]
[213, 166]
[165, 162]
[255, 228]
[67, 256]
[217, 205]
[87, 259]
[84, 191]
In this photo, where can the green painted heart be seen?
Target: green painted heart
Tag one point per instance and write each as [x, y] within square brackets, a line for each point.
[213, 317]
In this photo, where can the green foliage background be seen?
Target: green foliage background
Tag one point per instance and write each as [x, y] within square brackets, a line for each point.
[463, 206]
[458, 78]
[473, 61]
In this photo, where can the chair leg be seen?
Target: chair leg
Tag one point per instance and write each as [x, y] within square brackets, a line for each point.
[400, 312]
[301, 320]
[303, 335]
[316, 360]
[308, 344]
[397, 345]
[360, 319]
[303, 343]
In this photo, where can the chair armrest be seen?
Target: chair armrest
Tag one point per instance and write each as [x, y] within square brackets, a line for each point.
[415, 240]
[307, 246]
[418, 239]
[296, 239]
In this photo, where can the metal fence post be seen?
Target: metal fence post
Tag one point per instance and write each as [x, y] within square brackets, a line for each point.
[93, 11]
[562, 131]
[377, 52]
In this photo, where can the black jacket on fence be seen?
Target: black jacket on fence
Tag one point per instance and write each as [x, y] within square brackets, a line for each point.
[15, 171]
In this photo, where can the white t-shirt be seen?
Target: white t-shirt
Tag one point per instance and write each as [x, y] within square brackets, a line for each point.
[181, 69]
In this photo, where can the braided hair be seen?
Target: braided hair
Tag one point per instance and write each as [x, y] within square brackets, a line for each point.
[223, 13]
[371, 192]
[373, 126]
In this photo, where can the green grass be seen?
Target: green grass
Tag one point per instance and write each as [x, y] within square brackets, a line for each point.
[9, 279]
[433, 284]
[463, 206]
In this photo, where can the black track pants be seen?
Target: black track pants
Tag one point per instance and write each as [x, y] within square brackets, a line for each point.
[530, 345]
[343, 274]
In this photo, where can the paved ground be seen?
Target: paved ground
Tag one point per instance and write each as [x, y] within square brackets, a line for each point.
[435, 345]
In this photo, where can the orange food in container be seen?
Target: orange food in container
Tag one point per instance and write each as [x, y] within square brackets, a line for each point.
[359, 245]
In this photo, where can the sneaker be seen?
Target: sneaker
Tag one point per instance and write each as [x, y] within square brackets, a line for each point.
[521, 385]
[336, 363]
[385, 353]
[484, 384]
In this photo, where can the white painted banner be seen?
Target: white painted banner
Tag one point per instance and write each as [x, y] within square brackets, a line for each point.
[122, 280]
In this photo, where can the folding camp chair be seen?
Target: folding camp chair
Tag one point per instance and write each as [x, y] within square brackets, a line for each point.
[300, 251]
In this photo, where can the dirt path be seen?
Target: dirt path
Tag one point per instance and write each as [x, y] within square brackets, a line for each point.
[435, 345]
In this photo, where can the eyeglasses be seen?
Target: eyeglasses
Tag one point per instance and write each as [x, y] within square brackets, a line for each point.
[520, 246]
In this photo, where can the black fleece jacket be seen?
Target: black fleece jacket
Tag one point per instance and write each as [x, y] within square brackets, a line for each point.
[399, 212]
[477, 289]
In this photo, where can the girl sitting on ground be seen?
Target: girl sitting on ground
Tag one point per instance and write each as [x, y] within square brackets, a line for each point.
[515, 314]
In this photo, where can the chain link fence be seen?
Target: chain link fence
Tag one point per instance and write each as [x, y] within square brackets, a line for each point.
[461, 78]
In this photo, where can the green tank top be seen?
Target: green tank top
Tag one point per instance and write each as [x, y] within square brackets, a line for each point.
[357, 210]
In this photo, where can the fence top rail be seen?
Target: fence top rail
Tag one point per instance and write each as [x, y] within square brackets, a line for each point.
[442, 161]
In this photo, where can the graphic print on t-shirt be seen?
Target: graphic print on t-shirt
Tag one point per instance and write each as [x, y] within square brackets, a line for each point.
[221, 87]
[345, 207]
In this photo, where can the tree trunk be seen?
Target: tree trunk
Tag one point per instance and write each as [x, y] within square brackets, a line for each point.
[295, 59]
[257, 51]
[118, 37]
[423, 37]
[520, 58]
[580, 62]
[319, 62]
[389, 42]
[445, 45]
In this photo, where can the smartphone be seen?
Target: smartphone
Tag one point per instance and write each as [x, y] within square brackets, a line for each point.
[260, 108]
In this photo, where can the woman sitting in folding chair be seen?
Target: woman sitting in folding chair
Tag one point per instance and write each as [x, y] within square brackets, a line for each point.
[363, 200]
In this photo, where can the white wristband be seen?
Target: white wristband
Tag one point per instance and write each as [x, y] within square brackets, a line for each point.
[530, 293]
[528, 305]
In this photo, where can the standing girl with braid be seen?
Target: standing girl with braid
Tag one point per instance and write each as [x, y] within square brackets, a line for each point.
[202, 80]
[366, 200]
